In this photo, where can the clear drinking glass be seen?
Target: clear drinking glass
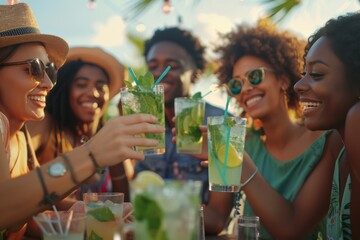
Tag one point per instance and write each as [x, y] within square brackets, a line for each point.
[103, 215]
[146, 101]
[226, 138]
[189, 116]
[167, 212]
[61, 225]
[248, 228]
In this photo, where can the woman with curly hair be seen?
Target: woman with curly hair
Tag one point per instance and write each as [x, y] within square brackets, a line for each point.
[289, 180]
[330, 94]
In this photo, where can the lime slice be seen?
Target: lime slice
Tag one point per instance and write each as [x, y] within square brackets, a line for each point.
[186, 123]
[233, 159]
[145, 179]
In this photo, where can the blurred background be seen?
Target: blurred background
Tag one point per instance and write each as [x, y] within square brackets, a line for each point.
[121, 26]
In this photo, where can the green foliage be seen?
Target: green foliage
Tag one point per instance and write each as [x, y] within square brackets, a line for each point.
[103, 214]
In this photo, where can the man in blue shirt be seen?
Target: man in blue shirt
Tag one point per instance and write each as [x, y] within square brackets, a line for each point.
[183, 52]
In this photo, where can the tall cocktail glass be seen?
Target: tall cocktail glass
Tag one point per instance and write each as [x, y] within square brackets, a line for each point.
[169, 212]
[150, 101]
[61, 225]
[226, 138]
[103, 215]
[189, 116]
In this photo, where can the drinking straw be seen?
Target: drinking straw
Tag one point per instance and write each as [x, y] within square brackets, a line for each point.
[40, 226]
[128, 214]
[213, 87]
[68, 223]
[217, 164]
[161, 77]
[134, 76]
[48, 221]
[227, 107]
[58, 220]
[227, 149]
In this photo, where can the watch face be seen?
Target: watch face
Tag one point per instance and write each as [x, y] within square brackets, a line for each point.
[57, 169]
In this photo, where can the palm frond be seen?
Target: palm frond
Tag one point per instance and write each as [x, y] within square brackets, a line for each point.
[281, 9]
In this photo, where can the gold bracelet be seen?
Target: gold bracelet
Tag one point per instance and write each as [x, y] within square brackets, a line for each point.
[249, 179]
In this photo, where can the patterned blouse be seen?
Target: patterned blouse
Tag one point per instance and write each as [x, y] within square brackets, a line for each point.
[338, 217]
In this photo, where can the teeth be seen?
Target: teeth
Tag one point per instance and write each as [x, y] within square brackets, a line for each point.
[38, 98]
[89, 105]
[252, 101]
[309, 105]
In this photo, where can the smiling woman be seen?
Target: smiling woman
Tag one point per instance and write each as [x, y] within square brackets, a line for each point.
[87, 82]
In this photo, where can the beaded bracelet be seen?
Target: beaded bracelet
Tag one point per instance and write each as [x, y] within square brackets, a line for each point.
[99, 169]
[249, 179]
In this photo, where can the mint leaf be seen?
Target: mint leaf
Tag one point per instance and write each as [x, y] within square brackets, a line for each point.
[196, 96]
[94, 236]
[103, 214]
[148, 210]
[229, 122]
[146, 81]
[128, 84]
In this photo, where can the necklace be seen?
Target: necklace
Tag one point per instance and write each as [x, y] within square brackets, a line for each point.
[18, 154]
[82, 135]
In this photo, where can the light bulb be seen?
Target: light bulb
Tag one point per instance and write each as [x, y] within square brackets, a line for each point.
[91, 4]
[11, 2]
[166, 8]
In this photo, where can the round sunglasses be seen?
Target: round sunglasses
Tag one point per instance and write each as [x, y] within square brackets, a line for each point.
[37, 69]
[254, 77]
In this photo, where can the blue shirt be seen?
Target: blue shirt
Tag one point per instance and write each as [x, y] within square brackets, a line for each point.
[172, 165]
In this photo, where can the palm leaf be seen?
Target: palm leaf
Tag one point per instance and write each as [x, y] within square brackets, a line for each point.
[281, 8]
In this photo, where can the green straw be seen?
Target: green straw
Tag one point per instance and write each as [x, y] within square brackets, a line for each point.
[207, 93]
[134, 76]
[217, 165]
[226, 108]
[161, 76]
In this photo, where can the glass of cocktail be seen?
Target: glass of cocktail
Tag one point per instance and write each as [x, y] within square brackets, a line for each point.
[166, 211]
[61, 225]
[144, 100]
[103, 215]
[226, 138]
[189, 114]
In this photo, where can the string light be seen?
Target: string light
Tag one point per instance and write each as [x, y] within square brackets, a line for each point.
[167, 8]
[91, 4]
[11, 2]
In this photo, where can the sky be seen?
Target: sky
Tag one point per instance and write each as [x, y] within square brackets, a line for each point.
[108, 24]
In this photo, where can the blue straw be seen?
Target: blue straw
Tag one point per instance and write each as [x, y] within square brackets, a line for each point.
[161, 76]
[226, 108]
[133, 76]
[217, 164]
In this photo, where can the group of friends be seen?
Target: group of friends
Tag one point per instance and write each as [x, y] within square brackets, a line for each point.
[301, 154]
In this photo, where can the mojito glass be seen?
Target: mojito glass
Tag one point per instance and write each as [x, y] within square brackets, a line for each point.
[61, 225]
[138, 100]
[169, 212]
[189, 116]
[103, 215]
[226, 138]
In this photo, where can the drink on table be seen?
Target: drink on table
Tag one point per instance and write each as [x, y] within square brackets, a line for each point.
[103, 215]
[226, 138]
[146, 98]
[165, 210]
[61, 225]
[189, 114]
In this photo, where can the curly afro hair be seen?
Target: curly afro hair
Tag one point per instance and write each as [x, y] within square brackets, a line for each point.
[344, 35]
[184, 39]
[281, 49]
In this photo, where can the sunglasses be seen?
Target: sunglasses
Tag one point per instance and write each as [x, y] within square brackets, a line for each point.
[254, 77]
[37, 69]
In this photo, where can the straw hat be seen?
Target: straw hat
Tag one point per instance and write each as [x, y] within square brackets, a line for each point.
[103, 59]
[18, 25]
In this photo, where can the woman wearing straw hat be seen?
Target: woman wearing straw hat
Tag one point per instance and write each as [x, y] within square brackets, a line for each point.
[74, 111]
[28, 63]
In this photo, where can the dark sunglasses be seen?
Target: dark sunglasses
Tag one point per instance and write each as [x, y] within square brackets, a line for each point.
[37, 69]
[254, 77]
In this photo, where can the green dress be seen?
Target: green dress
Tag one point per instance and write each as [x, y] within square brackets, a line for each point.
[286, 178]
[338, 217]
